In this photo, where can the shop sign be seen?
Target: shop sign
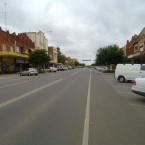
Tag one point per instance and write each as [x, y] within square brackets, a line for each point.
[7, 59]
[20, 61]
[8, 53]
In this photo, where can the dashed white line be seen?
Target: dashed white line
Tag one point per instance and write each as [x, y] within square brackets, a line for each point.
[13, 84]
[137, 105]
[87, 116]
[74, 73]
[7, 77]
[27, 94]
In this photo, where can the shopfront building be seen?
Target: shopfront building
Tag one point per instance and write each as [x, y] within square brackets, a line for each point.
[14, 51]
[12, 62]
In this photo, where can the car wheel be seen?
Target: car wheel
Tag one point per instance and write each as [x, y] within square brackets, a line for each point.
[29, 74]
[21, 74]
[121, 79]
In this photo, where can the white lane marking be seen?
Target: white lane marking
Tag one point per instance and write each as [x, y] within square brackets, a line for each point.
[74, 73]
[13, 84]
[7, 77]
[120, 86]
[125, 93]
[27, 94]
[137, 105]
[87, 116]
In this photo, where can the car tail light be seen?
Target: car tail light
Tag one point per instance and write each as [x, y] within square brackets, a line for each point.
[134, 83]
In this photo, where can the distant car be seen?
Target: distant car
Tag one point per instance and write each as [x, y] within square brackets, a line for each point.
[60, 68]
[102, 68]
[29, 72]
[65, 68]
[51, 69]
[139, 86]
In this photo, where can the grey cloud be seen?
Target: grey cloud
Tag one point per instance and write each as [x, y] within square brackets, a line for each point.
[78, 27]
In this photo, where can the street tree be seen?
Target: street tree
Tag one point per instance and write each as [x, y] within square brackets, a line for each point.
[60, 56]
[76, 63]
[39, 58]
[111, 54]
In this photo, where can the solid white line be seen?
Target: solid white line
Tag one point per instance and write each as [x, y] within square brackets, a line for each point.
[74, 73]
[13, 84]
[27, 94]
[86, 124]
[137, 105]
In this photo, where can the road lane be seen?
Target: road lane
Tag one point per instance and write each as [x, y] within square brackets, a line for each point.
[28, 94]
[113, 120]
[54, 115]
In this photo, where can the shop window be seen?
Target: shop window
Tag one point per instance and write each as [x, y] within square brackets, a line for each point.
[12, 49]
[141, 47]
[4, 48]
[18, 49]
[143, 67]
[135, 48]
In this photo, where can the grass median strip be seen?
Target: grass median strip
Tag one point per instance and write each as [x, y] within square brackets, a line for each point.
[27, 94]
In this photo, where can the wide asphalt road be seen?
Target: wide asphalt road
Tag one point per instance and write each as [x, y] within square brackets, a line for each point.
[74, 107]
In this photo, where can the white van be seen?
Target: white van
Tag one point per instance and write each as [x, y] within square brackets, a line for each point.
[128, 72]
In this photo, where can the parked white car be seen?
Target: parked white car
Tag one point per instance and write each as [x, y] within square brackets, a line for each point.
[102, 68]
[51, 69]
[139, 86]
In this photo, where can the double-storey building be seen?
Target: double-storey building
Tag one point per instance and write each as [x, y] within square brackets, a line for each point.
[52, 52]
[39, 40]
[135, 48]
[14, 50]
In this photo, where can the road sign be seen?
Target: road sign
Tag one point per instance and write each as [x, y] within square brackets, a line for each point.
[86, 60]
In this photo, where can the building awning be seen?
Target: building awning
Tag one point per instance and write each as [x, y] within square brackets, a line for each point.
[13, 54]
[134, 55]
[31, 49]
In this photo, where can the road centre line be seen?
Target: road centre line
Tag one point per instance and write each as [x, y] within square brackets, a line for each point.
[29, 93]
[74, 73]
[13, 84]
[137, 105]
[87, 116]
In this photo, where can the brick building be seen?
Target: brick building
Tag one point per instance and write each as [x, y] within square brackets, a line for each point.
[135, 48]
[14, 50]
[52, 52]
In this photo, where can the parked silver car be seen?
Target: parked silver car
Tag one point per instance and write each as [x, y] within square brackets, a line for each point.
[29, 72]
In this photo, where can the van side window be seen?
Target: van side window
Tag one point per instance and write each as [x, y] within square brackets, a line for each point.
[143, 67]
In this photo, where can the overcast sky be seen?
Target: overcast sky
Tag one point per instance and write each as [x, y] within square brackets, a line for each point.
[78, 27]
